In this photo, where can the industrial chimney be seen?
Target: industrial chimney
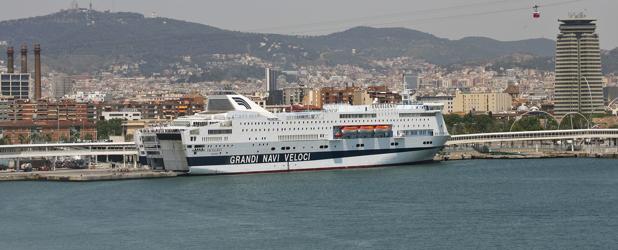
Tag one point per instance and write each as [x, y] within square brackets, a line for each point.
[24, 58]
[9, 57]
[37, 71]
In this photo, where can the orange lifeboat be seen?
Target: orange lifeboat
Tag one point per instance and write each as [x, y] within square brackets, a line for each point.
[349, 130]
[382, 129]
[366, 129]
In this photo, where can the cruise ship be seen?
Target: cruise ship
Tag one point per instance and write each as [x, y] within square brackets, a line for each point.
[236, 135]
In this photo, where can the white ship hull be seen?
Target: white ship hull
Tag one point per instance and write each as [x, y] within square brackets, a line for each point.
[373, 160]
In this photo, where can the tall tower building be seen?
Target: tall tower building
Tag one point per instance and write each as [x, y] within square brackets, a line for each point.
[62, 85]
[579, 81]
[271, 79]
[275, 95]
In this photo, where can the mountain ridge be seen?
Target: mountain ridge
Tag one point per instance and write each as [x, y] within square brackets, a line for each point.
[86, 40]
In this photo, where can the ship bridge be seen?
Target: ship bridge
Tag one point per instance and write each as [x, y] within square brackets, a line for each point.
[220, 104]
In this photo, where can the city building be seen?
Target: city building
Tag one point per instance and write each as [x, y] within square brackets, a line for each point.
[410, 85]
[610, 93]
[43, 110]
[62, 86]
[130, 127]
[295, 95]
[17, 85]
[90, 97]
[381, 94]
[482, 102]
[579, 82]
[347, 95]
[312, 98]
[129, 115]
[29, 131]
[275, 95]
[410, 81]
[357, 96]
[159, 109]
[5, 107]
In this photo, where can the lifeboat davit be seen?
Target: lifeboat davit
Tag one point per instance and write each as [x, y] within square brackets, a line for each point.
[349, 130]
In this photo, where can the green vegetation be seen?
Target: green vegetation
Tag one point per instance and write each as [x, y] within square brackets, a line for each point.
[23, 139]
[88, 137]
[575, 121]
[472, 124]
[105, 129]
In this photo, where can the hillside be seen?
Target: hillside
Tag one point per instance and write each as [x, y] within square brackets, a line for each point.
[83, 41]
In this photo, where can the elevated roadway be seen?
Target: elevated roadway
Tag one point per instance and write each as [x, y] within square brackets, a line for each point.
[67, 150]
[544, 135]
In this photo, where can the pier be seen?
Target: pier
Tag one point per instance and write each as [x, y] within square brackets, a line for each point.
[84, 175]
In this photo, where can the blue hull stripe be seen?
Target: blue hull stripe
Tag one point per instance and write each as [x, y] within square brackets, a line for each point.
[292, 157]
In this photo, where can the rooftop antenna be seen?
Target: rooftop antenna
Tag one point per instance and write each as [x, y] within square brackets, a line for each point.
[74, 5]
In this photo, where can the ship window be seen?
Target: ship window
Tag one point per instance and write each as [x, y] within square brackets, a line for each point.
[219, 131]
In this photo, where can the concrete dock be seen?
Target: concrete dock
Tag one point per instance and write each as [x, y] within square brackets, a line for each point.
[84, 175]
[526, 155]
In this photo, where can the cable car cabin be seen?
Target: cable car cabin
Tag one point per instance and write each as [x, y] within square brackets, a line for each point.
[536, 14]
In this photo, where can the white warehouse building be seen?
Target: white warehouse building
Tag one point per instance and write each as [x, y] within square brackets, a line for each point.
[123, 115]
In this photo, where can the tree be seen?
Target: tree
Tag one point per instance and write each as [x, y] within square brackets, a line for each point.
[574, 121]
[35, 137]
[23, 139]
[105, 129]
[528, 123]
[47, 137]
[88, 137]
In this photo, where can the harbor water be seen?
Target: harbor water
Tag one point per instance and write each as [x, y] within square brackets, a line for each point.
[497, 204]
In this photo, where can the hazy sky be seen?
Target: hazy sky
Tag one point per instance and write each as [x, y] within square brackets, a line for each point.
[499, 19]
